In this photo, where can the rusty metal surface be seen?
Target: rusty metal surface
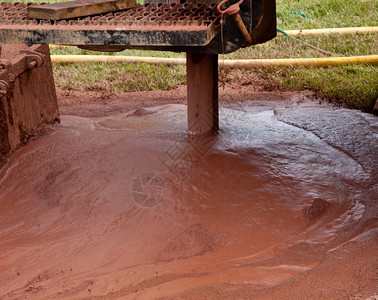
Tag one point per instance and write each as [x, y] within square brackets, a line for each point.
[77, 8]
[264, 21]
[202, 94]
[27, 94]
[22, 61]
[177, 25]
[187, 27]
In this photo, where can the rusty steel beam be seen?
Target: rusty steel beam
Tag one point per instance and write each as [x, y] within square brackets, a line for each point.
[174, 27]
[202, 94]
[78, 8]
[184, 27]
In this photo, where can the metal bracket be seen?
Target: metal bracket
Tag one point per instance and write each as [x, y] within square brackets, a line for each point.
[33, 58]
[11, 69]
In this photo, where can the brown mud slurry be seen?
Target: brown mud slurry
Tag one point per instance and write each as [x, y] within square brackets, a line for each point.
[116, 202]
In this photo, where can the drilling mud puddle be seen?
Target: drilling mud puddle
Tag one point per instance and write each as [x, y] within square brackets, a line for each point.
[282, 204]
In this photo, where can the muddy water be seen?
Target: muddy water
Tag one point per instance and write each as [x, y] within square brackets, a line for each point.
[128, 207]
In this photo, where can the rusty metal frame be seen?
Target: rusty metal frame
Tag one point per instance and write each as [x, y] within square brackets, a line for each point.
[184, 27]
[150, 25]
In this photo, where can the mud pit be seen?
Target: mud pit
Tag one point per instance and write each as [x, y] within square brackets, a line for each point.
[282, 204]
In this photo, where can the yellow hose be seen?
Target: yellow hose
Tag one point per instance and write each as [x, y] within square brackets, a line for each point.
[241, 63]
[116, 59]
[304, 62]
[350, 30]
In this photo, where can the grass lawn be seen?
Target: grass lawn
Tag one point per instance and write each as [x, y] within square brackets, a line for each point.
[354, 86]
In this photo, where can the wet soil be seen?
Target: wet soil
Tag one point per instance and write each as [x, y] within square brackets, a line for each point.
[99, 104]
[117, 203]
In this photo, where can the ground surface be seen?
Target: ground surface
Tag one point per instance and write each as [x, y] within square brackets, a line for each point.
[95, 104]
[281, 205]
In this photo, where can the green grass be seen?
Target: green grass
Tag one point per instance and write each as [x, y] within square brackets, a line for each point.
[112, 78]
[120, 77]
[354, 86]
[351, 86]
[327, 13]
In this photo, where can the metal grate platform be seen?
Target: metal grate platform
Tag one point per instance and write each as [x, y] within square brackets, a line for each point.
[154, 25]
